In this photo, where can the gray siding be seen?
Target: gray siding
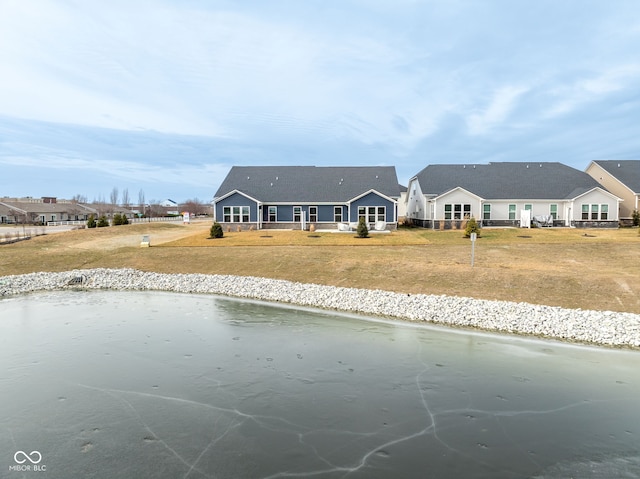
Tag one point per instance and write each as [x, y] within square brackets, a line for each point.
[373, 199]
[237, 199]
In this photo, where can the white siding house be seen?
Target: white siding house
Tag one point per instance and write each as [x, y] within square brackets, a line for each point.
[502, 194]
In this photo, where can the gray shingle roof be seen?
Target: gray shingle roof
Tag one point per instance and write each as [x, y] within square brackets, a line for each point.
[508, 180]
[306, 184]
[626, 171]
[39, 207]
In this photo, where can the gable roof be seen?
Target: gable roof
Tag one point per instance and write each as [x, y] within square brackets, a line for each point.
[626, 172]
[306, 184]
[508, 180]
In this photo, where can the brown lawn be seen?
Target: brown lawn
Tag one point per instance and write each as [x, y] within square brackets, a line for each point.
[590, 269]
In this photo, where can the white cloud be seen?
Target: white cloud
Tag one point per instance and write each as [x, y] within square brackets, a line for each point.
[207, 72]
[502, 103]
[587, 90]
[195, 175]
[286, 81]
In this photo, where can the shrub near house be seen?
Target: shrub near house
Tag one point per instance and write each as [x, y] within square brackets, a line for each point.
[472, 227]
[216, 231]
[362, 231]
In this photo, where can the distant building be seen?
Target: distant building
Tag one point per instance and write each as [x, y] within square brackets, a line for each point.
[402, 203]
[170, 208]
[622, 178]
[50, 209]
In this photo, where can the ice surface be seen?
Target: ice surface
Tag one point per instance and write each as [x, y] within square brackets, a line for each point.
[166, 385]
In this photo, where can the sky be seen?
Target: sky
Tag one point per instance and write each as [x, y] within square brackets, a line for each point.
[161, 98]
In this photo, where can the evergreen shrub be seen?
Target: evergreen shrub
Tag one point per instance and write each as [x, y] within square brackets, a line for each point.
[216, 231]
[472, 227]
[362, 231]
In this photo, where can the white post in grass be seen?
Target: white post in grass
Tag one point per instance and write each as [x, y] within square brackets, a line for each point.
[473, 247]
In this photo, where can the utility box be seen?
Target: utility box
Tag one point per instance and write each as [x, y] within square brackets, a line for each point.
[145, 243]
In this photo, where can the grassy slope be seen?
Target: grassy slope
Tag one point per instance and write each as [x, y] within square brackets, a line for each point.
[548, 266]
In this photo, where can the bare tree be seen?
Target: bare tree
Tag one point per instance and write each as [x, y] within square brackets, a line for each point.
[194, 207]
[125, 198]
[114, 196]
[154, 209]
[100, 205]
[141, 202]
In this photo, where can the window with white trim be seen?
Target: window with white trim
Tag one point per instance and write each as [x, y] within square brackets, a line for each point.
[337, 214]
[297, 213]
[371, 214]
[459, 211]
[486, 212]
[512, 212]
[273, 214]
[235, 214]
[553, 211]
[595, 212]
[313, 214]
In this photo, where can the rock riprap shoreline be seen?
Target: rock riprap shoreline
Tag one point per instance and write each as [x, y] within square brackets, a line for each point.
[576, 325]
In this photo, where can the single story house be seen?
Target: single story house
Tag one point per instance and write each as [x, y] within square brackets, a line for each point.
[294, 197]
[47, 210]
[42, 210]
[622, 178]
[509, 194]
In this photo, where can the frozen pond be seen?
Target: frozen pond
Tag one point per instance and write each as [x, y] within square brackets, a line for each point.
[147, 385]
